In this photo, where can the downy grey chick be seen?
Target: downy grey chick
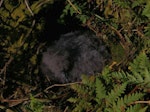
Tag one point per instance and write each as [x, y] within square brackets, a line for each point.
[74, 54]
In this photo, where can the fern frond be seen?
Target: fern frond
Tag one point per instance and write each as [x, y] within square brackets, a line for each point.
[108, 91]
[88, 81]
[80, 89]
[136, 79]
[134, 108]
[72, 100]
[123, 4]
[120, 76]
[140, 64]
[140, 69]
[106, 75]
[82, 106]
[116, 92]
[143, 109]
[100, 90]
[132, 97]
[123, 103]
[137, 3]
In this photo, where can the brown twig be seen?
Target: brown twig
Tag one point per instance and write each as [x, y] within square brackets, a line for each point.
[66, 109]
[135, 88]
[140, 102]
[43, 2]
[1, 2]
[123, 41]
[61, 85]
[28, 7]
[14, 102]
[4, 69]
[73, 6]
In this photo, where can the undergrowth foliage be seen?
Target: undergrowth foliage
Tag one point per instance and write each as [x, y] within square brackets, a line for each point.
[115, 91]
[35, 105]
[123, 86]
[126, 23]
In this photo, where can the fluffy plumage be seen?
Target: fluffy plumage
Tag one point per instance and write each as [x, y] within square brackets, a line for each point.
[74, 54]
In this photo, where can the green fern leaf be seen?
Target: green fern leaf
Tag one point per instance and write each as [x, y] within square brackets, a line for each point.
[132, 97]
[86, 80]
[134, 108]
[82, 106]
[136, 78]
[123, 103]
[120, 76]
[137, 3]
[106, 75]
[79, 89]
[147, 10]
[120, 106]
[72, 100]
[140, 69]
[143, 109]
[116, 92]
[139, 64]
[100, 90]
